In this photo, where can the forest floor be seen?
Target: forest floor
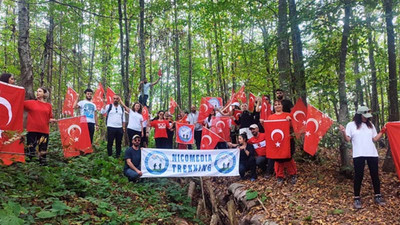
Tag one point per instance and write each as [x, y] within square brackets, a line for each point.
[323, 196]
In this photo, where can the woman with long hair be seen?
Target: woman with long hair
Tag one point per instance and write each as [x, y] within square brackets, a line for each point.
[160, 130]
[7, 78]
[40, 114]
[362, 134]
[135, 122]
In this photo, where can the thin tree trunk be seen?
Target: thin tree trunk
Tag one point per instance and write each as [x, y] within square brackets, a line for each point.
[177, 59]
[190, 55]
[24, 49]
[359, 91]
[210, 67]
[283, 48]
[127, 92]
[60, 69]
[121, 41]
[141, 45]
[343, 107]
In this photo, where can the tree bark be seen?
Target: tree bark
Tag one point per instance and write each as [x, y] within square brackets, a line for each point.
[121, 41]
[343, 107]
[359, 91]
[127, 92]
[190, 55]
[177, 59]
[24, 49]
[283, 48]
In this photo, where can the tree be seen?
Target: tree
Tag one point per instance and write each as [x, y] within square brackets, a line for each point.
[283, 48]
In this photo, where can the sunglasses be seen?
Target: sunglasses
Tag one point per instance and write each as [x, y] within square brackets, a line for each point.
[136, 140]
[363, 112]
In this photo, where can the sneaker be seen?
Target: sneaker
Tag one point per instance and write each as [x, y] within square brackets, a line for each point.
[378, 199]
[357, 203]
[268, 176]
[252, 179]
[279, 181]
[293, 179]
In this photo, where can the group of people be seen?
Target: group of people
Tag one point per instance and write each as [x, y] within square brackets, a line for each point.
[247, 134]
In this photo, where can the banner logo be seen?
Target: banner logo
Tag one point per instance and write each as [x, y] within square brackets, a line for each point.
[225, 162]
[185, 133]
[214, 102]
[156, 162]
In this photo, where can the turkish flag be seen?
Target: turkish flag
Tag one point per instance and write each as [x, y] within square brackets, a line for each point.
[216, 102]
[183, 120]
[277, 136]
[145, 113]
[159, 73]
[317, 125]
[205, 109]
[236, 114]
[209, 139]
[299, 115]
[393, 131]
[241, 95]
[233, 99]
[221, 125]
[252, 100]
[109, 95]
[172, 106]
[75, 137]
[98, 97]
[70, 98]
[11, 123]
[184, 133]
[265, 109]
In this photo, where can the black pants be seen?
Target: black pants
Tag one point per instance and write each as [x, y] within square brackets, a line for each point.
[161, 142]
[244, 166]
[91, 131]
[40, 140]
[114, 134]
[143, 100]
[197, 138]
[132, 133]
[359, 164]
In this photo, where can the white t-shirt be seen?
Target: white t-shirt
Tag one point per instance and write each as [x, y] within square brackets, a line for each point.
[361, 139]
[135, 121]
[146, 88]
[88, 109]
[115, 116]
[192, 119]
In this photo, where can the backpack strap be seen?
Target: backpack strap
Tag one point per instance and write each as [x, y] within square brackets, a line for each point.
[108, 111]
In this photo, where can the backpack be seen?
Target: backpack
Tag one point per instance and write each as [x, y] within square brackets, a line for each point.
[109, 109]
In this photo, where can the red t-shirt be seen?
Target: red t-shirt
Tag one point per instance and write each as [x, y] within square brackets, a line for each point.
[39, 114]
[259, 144]
[160, 128]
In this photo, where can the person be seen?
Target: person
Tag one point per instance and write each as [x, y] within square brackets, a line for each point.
[144, 94]
[288, 163]
[88, 109]
[160, 130]
[40, 114]
[362, 134]
[135, 121]
[198, 127]
[234, 127]
[246, 159]
[170, 130]
[115, 121]
[286, 103]
[7, 78]
[180, 119]
[245, 120]
[132, 160]
[259, 144]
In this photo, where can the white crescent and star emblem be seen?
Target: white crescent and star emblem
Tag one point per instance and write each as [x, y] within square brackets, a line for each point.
[296, 113]
[206, 107]
[219, 122]
[72, 127]
[7, 104]
[279, 131]
[207, 137]
[109, 98]
[315, 122]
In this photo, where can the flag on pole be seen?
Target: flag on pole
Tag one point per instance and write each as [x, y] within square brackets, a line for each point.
[184, 133]
[252, 100]
[75, 137]
[70, 97]
[299, 115]
[241, 95]
[205, 109]
[98, 97]
[221, 125]
[109, 95]
[277, 136]
[209, 139]
[172, 106]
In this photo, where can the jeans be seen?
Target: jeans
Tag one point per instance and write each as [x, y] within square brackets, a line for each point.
[131, 174]
[143, 100]
[197, 138]
[161, 142]
[35, 138]
[248, 165]
[359, 164]
[114, 134]
[91, 131]
[261, 162]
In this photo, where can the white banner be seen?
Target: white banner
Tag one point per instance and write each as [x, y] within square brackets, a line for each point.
[189, 163]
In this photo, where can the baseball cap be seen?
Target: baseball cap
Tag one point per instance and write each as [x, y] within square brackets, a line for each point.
[135, 136]
[235, 104]
[365, 111]
[253, 126]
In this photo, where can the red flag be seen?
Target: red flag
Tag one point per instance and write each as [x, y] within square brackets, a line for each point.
[265, 109]
[172, 106]
[75, 137]
[209, 139]
[145, 113]
[237, 114]
[11, 123]
[317, 125]
[70, 98]
[159, 73]
[184, 133]
[222, 126]
[204, 110]
[277, 136]
[98, 97]
[299, 115]
[393, 131]
[232, 99]
[241, 95]
[183, 120]
[216, 102]
[109, 95]
[252, 100]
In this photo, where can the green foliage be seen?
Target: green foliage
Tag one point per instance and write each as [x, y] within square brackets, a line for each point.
[10, 213]
[250, 195]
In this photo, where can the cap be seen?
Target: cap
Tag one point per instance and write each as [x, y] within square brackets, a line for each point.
[253, 126]
[135, 136]
[235, 104]
[365, 111]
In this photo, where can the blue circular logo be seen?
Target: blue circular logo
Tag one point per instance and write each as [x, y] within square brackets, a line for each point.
[214, 102]
[185, 133]
[156, 162]
[225, 162]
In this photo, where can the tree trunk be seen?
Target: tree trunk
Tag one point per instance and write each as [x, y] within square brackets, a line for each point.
[210, 67]
[283, 48]
[298, 63]
[388, 165]
[343, 107]
[141, 45]
[24, 49]
[359, 91]
[121, 41]
[127, 92]
[190, 55]
[177, 59]
[60, 69]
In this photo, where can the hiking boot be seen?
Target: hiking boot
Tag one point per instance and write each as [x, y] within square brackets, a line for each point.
[357, 203]
[378, 199]
[279, 181]
[293, 179]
